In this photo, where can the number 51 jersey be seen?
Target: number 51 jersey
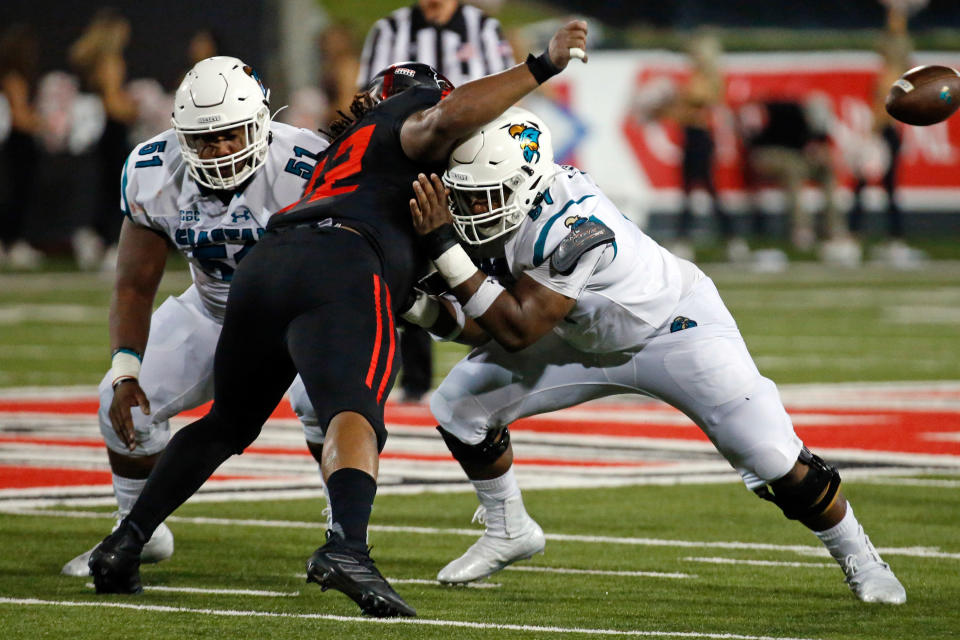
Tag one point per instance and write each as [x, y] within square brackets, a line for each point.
[157, 192]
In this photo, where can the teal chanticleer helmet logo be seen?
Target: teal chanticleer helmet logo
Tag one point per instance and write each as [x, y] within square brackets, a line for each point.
[529, 138]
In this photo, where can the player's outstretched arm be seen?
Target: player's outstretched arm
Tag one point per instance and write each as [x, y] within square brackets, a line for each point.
[141, 259]
[515, 318]
[430, 135]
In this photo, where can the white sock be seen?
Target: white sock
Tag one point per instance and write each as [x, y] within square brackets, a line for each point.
[844, 538]
[496, 491]
[493, 496]
[127, 490]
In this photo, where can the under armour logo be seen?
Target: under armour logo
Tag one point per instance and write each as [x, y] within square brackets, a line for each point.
[243, 214]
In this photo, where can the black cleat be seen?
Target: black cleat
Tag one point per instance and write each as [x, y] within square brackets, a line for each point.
[115, 563]
[352, 572]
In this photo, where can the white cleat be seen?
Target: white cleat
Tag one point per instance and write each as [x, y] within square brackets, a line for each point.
[78, 567]
[871, 579]
[491, 553]
[159, 547]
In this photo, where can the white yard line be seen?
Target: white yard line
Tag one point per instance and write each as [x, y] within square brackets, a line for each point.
[805, 550]
[433, 583]
[598, 572]
[913, 482]
[226, 592]
[415, 622]
[55, 313]
[762, 563]
[469, 585]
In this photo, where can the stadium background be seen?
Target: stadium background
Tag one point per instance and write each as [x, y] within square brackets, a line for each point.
[866, 358]
[634, 47]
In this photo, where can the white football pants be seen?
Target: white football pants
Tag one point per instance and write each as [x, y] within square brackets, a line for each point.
[177, 374]
[704, 371]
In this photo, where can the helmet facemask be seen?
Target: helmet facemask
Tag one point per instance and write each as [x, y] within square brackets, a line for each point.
[483, 212]
[229, 171]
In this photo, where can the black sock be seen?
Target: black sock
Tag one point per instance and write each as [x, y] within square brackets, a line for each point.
[351, 498]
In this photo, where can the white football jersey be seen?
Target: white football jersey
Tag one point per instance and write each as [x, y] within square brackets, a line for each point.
[624, 290]
[158, 192]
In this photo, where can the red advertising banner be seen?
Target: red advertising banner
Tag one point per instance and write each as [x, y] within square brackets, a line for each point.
[597, 115]
[929, 157]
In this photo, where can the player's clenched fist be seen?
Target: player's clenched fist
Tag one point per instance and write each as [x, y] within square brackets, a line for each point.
[572, 35]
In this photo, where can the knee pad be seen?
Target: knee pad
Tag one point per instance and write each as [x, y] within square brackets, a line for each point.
[810, 497]
[486, 452]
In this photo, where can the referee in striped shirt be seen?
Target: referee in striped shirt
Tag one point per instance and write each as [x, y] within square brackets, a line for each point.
[464, 44]
[458, 40]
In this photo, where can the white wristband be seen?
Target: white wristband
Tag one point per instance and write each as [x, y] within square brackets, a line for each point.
[481, 300]
[423, 312]
[461, 320]
[125, 366]
[455, 265]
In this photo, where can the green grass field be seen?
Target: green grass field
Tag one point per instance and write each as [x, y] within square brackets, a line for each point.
[809, 324]
[806, 599]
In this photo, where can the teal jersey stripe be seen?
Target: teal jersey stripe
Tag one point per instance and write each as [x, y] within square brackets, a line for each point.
[542, 239]
[123, 190]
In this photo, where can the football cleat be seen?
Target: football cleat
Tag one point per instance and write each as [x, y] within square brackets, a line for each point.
[352, 572]
[159, 547]
[522, 538]
[115, 563]
[871, 579]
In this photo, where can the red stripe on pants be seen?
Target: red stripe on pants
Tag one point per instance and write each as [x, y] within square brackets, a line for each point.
[386, 373]
[376, 345]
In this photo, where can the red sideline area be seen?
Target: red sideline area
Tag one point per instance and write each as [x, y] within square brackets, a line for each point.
[888, 430]
[893, 430]
[19, 477]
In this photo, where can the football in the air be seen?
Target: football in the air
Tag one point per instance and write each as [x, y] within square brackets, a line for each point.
[925, 95]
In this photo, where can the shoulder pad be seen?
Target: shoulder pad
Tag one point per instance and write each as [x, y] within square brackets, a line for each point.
[584, 235]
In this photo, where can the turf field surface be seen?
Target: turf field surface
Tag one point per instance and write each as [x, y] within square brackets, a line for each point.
[650, 534]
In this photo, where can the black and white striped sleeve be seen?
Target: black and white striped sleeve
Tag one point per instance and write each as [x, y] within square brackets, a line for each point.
[497, 52]
[377, 50]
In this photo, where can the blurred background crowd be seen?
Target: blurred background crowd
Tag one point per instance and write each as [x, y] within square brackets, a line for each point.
[752, 131]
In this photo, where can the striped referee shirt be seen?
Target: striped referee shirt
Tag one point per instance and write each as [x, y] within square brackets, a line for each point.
[468, 47]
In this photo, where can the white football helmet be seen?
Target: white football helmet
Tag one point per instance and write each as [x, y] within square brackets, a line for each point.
[218, 94]
[497, 175]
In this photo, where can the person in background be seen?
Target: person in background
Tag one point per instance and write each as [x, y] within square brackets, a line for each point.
[204, 43]
[19, 153]
[339, 63]
[895, 52]
[791, 147]
[692, 109]
[97, 57]
[462, 43]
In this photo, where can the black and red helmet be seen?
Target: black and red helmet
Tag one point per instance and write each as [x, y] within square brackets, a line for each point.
[406, 75]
